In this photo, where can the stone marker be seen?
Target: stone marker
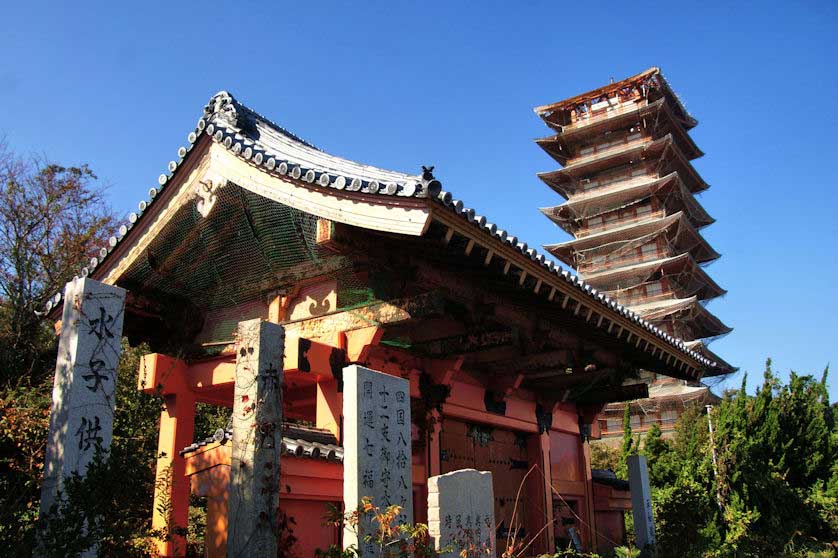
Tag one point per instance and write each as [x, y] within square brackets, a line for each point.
[377, 450]
[81, 418]
[641, 502]
[461, 513]
[257, 437]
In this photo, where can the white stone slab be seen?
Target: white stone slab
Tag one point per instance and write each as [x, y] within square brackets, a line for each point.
[377, 450]
[257, 437]
[81, 417]
[641, 501]
[461, 513]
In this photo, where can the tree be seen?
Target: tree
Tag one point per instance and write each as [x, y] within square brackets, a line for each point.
[777, 455]
[52, 218]
[604, 456]
[629, 445]
[660, 457]
[776, 458]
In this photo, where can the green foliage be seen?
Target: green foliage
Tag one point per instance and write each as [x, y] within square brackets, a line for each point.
[386, 537]
[660, 457]
[209, 418]
[569, 553]
[629, 445]
[24, 420]
[604, 457]
[619, 552]
[681, 511]
[775, 492]
[196, 529]
[776, 457]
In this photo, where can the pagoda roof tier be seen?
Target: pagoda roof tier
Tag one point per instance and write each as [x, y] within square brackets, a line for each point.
[664, 396]
[690, 314]
[256, 200]
[723, 367]
[678, 231]
[648, 84]
[600, 201]
[559, 146]
[565, 181]
[690, 277]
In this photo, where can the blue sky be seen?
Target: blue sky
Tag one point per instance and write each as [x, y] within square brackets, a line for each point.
[119, 85]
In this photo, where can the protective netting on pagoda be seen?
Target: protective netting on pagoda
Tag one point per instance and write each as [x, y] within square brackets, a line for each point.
[231, 261]
[669, 191]
[676, 235]
[660, 309]
[686, 281]
[693, 324]
[662, 397]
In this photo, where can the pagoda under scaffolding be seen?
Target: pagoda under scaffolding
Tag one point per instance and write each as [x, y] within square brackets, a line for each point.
[625, 153]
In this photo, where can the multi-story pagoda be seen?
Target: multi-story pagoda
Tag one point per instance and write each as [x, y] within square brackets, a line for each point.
[630, 188]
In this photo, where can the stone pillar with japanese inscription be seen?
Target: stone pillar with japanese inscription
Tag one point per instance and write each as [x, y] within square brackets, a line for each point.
[461, 513]
[83, 393]
[641, 504]
[257, 437]
[377, 449]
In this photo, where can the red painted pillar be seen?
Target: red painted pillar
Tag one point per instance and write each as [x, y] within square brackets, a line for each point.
[539, 514]
[163, 374]
[171, 492]
[329, 407]
[434, 433]
[589, 496]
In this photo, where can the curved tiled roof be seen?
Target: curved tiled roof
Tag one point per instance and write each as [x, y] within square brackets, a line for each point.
[297, 441]
[275, 150]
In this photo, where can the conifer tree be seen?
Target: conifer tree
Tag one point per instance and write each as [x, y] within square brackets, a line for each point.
[629, 445]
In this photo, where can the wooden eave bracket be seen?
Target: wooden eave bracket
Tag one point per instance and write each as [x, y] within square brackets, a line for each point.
[505, 383]
[509, 256]
[359, 341]
[443, 371]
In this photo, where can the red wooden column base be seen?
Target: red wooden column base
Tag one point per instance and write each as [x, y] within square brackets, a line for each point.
[177, 429]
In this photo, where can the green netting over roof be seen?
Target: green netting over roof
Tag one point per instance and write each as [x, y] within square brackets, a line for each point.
[247, 247]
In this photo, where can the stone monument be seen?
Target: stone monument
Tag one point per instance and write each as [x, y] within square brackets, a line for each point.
[461, 513]
[377, 448]
[257, 438]
[641, 502]
[81, 419]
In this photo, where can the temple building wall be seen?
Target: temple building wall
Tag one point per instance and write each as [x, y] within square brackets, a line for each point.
[506, 444]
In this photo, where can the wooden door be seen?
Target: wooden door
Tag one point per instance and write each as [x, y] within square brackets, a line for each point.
[504, 453]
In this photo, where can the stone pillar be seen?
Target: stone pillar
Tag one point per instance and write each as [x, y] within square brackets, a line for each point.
[377, 448]
[84, 389]
[257, 437]
[641, 503]
[461, 513]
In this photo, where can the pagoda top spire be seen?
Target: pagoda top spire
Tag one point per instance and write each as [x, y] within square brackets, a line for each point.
[650, 82]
